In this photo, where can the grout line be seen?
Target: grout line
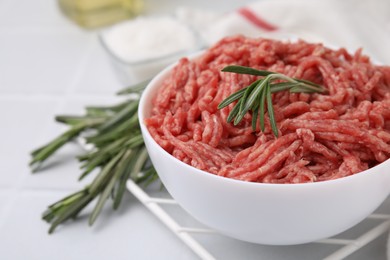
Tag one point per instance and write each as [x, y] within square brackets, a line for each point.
[20, 96]
[56, 97]
[45, 189]
[34, 30]
[62, 100]
[82, 67]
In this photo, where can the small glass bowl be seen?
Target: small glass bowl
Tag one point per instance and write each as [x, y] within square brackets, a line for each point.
[130, 73]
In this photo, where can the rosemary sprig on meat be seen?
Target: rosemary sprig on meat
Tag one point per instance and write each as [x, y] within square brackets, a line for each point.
[253, 97]
[118, 152]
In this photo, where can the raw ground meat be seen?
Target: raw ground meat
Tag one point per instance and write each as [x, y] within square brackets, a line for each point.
[321, 136]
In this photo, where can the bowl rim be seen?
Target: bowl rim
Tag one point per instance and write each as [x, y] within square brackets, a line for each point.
[152, 86]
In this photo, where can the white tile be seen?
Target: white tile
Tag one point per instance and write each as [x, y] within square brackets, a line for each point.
[22, 121]
[40, 63]
[99, 76]
[5, 196]
[37, 13]
[130, 233]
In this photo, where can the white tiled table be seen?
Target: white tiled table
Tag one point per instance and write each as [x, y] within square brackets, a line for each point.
[49, 66]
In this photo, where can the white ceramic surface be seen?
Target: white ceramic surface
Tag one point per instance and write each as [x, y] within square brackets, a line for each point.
[274, 214]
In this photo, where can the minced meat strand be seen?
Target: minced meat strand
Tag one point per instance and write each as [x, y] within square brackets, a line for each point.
[321, 136]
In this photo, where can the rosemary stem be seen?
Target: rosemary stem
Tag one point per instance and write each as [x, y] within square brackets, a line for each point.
[253, 97]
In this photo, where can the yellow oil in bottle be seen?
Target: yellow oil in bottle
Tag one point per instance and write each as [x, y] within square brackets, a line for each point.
[98, 13]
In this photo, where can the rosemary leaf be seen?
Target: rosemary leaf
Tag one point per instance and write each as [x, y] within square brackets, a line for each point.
[261, 108]
[122, 129]
[277, 87]
[107, 110]
[108, 150]
[105, 173]
[147, 176]
[134, 168]
[67, 200]
[247, 92]
[307, 82]
[135, 141]
[254, 118]
[246, 70]
[233, 97]
[142, 157]
[253, 97]
[123, 114]
[151, 176]
[301, 89]
[81, 120]
[233, 113]
[61, 206]
[244, 108]
[134, 89]
[41, 154]
[123, 179]
[121, 167]
[71, 211]
[271, 110]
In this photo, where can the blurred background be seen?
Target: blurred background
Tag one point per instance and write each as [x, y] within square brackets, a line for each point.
[56, 57]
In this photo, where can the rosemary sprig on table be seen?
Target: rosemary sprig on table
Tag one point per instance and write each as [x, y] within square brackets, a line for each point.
[253, 97]
[119, 154]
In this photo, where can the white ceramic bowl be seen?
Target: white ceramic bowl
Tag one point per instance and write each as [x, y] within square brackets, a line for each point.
[274, 214]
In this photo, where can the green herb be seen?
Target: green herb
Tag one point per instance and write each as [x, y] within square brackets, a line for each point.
[253, 97]
[119, 154]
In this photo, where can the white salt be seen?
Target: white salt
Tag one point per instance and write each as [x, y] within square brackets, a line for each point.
[148, 38]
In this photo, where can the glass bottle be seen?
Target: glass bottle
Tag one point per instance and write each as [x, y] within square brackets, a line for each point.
[98, 13]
